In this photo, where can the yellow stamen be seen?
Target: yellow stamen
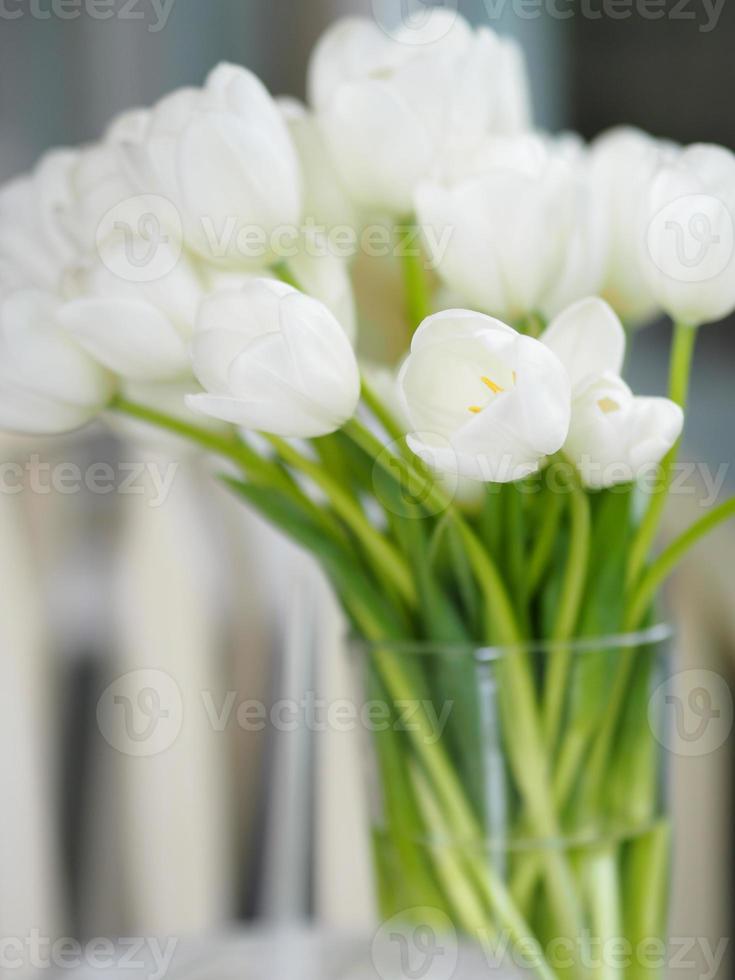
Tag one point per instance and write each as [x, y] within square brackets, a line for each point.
[475, 409]
[607, 405]
[496, 389]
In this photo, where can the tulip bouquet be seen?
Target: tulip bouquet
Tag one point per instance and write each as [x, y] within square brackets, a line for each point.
[489, 488]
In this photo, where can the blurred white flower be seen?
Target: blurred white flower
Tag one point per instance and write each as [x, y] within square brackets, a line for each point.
[222, 155]
[623, 162]
[326, 201]
[527, 233]
[614, 436]
[47, 383]
[689, 260]
[484, 401]
[100, 194]
[394, 113]
[273, 360]
[35, 248]
[139, 330]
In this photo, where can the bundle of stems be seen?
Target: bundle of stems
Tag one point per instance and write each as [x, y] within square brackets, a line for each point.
[543, 560]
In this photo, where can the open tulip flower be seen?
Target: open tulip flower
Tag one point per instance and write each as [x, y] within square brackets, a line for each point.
[613, 436]
[179, 275]
[484, 401]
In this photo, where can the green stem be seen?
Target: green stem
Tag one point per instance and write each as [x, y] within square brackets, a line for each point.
[381, 413]
[569, 605]
[668, 559]
[545, 540]
[388, 560]
[682, 353]
[415, 281]
[228, 445]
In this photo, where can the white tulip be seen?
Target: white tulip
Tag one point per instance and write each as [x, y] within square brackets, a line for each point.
[139, 330]
[47, 383]
[326, 201]
[623, 161]
[526, 234]
[222, 155]
[35, 250]
[689, 259]
[614, 437]
[484, 401]
[394, 113]
[273, 360]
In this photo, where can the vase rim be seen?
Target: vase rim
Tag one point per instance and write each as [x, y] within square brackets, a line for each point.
[650, 636]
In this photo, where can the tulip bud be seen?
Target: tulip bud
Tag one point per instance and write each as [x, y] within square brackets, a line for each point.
[689, 260]
[523, 230]
[614, 437]
[47, 384]
[394, 113]
[273, 360]
[484, 401]
[223, 157]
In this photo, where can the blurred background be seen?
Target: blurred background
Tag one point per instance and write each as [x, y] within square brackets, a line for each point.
[227, 821]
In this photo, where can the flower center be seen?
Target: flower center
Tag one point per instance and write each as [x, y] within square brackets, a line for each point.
[496, 390]
[608, 405]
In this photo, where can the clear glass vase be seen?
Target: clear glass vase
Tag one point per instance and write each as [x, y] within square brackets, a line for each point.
[520, 795]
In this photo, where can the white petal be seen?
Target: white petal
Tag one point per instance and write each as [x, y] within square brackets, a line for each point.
[132, 338]
[450, 325]
[380, 146]
[588, 339]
